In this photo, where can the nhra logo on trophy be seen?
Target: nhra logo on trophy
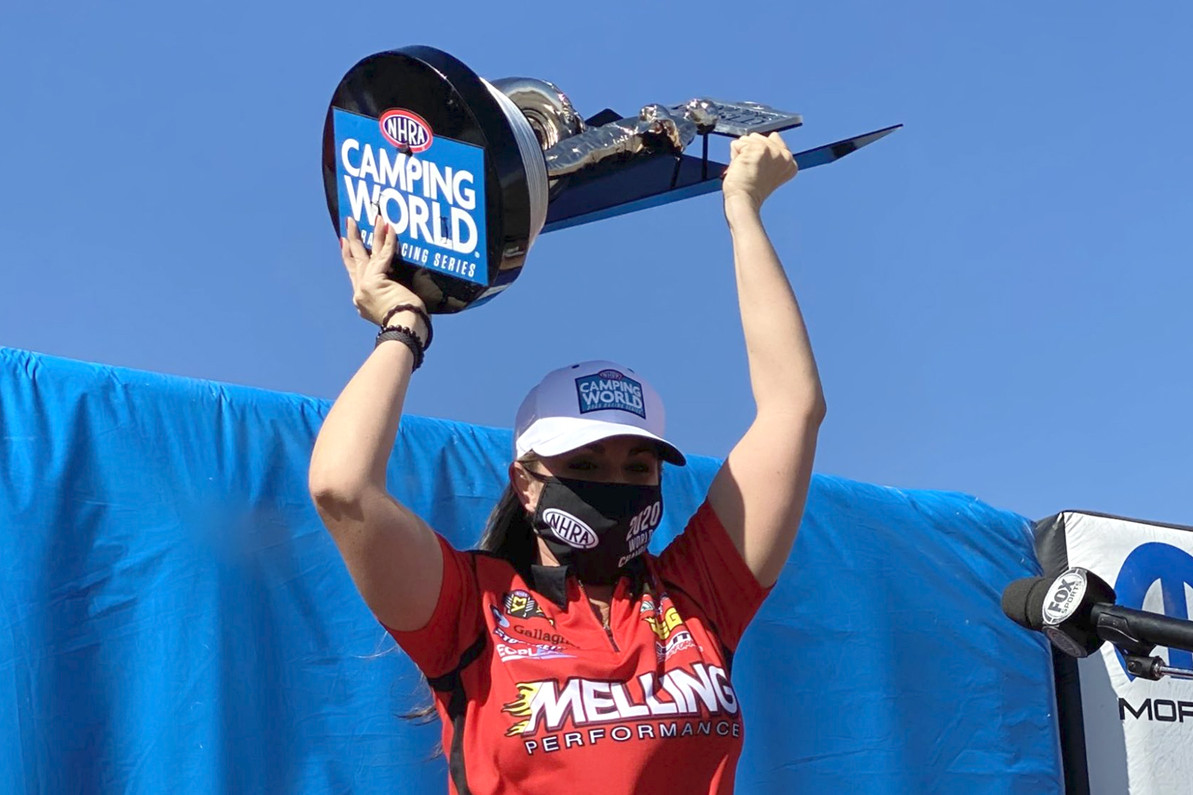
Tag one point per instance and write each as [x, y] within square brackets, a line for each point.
[406, 131]
[468, 172]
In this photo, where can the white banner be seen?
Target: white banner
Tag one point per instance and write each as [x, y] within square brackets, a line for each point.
[1138, 733]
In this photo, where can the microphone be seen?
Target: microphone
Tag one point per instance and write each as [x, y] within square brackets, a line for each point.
[1077, 612]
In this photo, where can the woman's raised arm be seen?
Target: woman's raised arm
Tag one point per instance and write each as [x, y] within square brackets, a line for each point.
[760, 490]
[392, 555]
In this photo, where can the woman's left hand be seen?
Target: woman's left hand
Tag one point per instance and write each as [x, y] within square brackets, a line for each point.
[758, 164]
[373, 292]
[760, 490]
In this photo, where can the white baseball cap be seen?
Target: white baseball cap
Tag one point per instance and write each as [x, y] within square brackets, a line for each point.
[584, 403]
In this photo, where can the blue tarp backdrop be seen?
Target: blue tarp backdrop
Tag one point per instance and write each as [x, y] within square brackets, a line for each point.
[173, 616]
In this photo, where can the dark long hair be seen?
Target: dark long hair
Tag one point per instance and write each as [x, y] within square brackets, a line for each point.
[507, 535]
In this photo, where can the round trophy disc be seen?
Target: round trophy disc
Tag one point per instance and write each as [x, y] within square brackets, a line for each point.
[414, 138]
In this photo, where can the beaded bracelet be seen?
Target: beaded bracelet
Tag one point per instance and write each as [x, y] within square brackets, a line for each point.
[405, 336]
[418, 310]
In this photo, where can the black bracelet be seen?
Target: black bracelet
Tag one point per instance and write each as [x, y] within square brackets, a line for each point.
[405, 336]
[418, 310]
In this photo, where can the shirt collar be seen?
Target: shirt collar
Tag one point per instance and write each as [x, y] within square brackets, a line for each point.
[552, 581]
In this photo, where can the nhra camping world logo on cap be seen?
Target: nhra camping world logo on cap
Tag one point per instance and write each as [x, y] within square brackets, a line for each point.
[406, 130]
[610, 390]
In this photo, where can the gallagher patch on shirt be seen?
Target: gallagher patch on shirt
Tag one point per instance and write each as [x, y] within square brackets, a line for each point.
[610, 390]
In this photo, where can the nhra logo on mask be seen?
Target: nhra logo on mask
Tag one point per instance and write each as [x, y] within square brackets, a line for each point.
[610, 390]
[569, 529]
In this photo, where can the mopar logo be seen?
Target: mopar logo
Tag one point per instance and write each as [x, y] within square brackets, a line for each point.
[403, 129]
[1172, 567]
[1160, 709]
[569, 529]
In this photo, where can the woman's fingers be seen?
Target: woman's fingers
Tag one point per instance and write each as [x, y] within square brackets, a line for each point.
[349, 263]
[356, 247]
[373, 292]
[776, 140]
[383, 247]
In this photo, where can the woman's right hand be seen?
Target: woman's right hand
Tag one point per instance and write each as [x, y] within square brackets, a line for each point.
[373, 292]
[757, 165]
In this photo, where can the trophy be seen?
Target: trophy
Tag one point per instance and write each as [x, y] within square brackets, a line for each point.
[468, 172]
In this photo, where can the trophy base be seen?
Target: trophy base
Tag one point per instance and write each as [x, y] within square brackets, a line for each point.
[433, 94]
[662, 179]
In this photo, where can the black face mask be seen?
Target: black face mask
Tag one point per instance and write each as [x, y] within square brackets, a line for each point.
[596, 528]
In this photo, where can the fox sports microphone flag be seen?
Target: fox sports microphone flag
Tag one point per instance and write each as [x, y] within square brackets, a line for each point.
[1122, 733]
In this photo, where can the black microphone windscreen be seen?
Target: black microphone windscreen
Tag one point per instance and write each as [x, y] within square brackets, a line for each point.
[1023, 601]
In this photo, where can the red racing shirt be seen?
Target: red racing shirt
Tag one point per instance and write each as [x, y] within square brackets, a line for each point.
[537, 696]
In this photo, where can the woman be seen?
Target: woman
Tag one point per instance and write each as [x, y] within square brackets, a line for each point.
[565, 657]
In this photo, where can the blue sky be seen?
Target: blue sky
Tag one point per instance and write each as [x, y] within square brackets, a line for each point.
[997, 294]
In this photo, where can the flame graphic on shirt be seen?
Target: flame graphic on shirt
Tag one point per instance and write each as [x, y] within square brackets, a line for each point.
[520, 707]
